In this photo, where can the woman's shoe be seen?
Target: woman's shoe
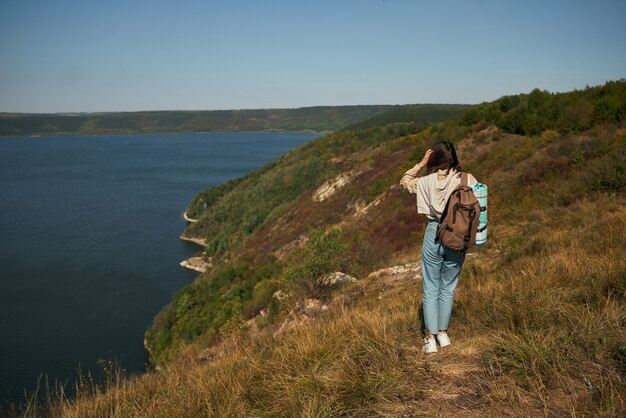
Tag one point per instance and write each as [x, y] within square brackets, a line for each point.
[443, 339]
[430, 345]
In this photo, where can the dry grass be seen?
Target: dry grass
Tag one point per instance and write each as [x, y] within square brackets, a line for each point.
[538, 332]
[554, 309]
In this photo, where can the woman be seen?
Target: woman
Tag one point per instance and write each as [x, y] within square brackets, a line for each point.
[441, 265]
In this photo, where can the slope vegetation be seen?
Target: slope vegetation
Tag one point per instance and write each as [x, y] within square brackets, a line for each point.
[539, 325]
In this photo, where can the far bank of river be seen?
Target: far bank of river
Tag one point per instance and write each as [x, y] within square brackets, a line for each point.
[90, 249]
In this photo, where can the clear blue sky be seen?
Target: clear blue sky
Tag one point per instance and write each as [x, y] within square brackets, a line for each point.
[65, 56]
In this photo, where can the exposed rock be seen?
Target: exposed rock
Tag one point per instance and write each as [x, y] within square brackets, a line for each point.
[280, 296]
[346, 298]
[363, 210]
[199, 241]
[395, 280]
[304, 312]
[188, 219]
[210, 354]
[340, 159]
[197, 263]
[309, 306]
[331, 186]
[401, 269]
[335, 279]
[359, 208]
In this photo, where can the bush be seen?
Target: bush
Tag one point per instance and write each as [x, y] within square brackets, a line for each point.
[324, 253]
[577, 155]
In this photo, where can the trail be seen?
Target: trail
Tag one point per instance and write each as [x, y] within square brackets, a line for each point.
[453, 374]
[453, 382]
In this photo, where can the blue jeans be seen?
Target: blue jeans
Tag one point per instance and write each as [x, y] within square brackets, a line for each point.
[441, 267]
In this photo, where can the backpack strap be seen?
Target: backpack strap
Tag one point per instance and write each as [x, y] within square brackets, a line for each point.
[464, 180]
[468, 236]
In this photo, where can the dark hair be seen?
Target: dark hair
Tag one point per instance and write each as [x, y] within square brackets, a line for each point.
[443, 157]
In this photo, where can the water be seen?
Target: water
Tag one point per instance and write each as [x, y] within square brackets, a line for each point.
[89, 246]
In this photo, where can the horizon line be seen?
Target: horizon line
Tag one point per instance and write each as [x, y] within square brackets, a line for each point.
[70, 113]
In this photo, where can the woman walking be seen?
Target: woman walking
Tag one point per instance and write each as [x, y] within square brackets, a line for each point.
[441, 265]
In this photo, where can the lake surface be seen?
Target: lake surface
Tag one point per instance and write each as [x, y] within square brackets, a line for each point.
[89, 246]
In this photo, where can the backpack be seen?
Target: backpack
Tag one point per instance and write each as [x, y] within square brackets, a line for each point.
[459, 221]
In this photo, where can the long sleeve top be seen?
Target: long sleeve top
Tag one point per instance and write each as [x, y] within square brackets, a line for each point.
[432, 190]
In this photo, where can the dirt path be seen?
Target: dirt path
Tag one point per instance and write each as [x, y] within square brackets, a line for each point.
[453, 382]
[454, 373]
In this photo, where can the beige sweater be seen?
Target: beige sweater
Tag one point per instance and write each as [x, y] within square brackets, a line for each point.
[432, 190]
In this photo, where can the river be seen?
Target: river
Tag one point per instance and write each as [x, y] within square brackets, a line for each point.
[89, 246]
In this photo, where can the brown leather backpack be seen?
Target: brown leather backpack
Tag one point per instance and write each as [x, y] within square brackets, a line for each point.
[459, 221]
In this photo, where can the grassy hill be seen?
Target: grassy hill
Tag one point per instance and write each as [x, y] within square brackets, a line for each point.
[306, 119]
[539, 323]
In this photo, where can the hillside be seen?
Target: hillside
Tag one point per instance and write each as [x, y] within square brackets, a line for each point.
[306, 119]
[539, 324]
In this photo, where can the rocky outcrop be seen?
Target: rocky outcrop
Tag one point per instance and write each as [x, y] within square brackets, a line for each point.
[280, 296]
[359, 208]
[304, 312]
[210, 354]
[336, 279]
[331, 186]
[397, 270]
[199, 241]
[188, 219]
[200, 264]
[307, 310]
[392, 281]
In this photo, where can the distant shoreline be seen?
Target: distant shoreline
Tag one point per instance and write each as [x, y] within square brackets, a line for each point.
[199, 241]
[188, 219]
[306, 120]
[41, 135]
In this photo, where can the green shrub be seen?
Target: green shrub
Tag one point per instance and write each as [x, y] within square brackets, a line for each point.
[577, 155]
[324, 253]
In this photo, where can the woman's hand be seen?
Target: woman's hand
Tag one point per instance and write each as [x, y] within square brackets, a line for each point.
[425, 159]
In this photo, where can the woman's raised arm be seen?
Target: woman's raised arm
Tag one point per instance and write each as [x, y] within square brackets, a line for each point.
[410, 178]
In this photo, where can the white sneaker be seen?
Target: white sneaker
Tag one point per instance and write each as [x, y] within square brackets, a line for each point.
[443, 339]
[430, 345]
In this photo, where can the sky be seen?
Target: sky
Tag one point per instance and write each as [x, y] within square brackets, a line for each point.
[96, 56]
